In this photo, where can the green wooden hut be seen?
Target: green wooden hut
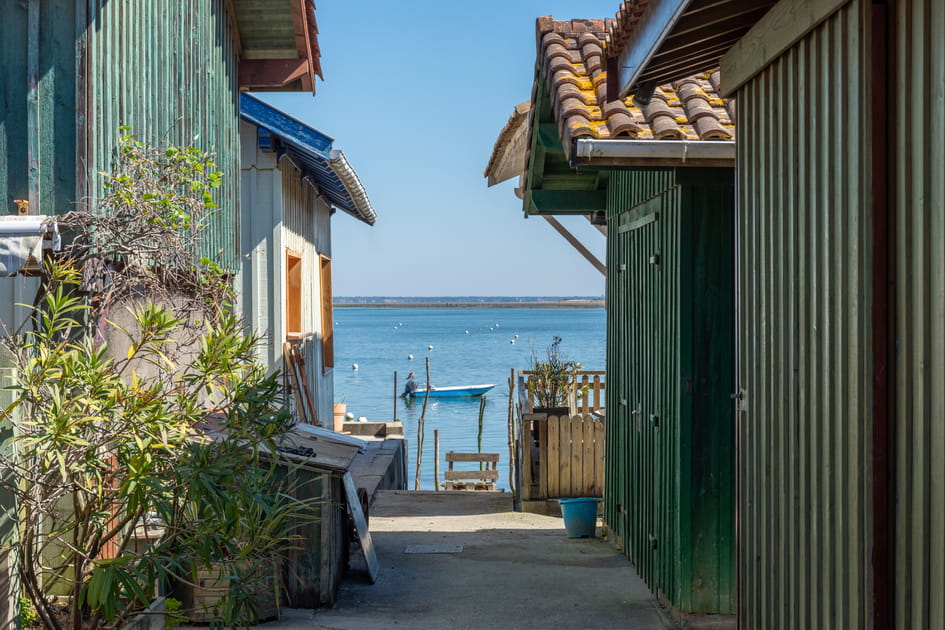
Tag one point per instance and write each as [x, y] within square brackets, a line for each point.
[658, 174]
[841, 308]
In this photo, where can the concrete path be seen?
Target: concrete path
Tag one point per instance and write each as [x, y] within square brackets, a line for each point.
[515, 570]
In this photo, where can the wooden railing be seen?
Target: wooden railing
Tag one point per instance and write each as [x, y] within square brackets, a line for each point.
[561, 456]
[588, 397]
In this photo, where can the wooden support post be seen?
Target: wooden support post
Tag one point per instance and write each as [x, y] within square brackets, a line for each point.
[511, 429]
[423, 414]
[436, 459]
[482, 411]
[394, 417]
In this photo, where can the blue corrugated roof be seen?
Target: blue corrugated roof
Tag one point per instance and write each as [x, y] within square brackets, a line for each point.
[311, 150]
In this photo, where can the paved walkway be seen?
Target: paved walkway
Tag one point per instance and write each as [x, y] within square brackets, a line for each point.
[514, 570]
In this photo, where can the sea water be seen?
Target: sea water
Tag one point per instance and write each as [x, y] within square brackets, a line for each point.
[466, 346]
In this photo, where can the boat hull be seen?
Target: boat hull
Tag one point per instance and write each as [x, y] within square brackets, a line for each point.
[465, 391]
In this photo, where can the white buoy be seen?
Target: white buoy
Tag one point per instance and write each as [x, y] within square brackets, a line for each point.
[511, 341]
[467, 332]
[516, 336]
[354, 366]
[429, 347]
[410, 357]
[496, 325]
[362, 418]
[349, 416]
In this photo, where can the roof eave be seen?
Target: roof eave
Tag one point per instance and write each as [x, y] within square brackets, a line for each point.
[654, 27]
[294, 64]
[674, 39]
[363, 210]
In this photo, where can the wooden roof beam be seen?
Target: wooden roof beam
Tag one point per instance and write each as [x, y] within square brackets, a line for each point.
[303, 42]
[576, 244]
[567, 201]
[271, 73]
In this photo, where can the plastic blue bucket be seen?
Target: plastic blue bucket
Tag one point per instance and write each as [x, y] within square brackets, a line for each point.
[580, 516]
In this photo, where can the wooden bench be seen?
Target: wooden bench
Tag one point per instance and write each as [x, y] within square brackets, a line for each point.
[478, 480]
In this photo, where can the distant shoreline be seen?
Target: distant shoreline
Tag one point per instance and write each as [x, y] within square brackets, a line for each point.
[550, 304]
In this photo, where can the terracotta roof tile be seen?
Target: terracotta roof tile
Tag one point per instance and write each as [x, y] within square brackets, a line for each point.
[572, 54]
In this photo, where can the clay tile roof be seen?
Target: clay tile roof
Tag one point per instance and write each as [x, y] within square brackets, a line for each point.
[572, 54]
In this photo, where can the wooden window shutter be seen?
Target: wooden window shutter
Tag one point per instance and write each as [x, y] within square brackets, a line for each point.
[328, 336]
[293, 291]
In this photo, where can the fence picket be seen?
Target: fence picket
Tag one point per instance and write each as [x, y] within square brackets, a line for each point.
[564, 456]
[553, 449]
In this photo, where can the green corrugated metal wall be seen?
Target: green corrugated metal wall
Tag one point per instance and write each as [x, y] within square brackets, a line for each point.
[670, 462]
[804, 333]
[165, 68]
[168, 69]
[918, 158]
[54, 138]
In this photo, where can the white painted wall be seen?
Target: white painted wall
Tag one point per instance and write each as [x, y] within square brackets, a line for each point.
[280, 211]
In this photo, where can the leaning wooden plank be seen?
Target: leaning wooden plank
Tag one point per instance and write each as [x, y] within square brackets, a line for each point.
[303, 376]
[553, 457]
[294, 384]
[453, 475]
[472, 457]
[360, 524]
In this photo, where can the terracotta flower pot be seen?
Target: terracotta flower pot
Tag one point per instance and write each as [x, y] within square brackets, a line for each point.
[339, 415]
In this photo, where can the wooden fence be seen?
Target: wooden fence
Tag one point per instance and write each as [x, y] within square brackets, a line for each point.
[561, 456]
[591, 385]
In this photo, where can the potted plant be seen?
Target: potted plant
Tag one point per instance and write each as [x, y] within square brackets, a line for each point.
[552, 380]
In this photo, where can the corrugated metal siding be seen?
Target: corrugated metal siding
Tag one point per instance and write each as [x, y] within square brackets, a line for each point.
[51, 134]
[260, 282]
[804, 302]
[918, 145]
[305, 220]
[622, 469]
[670, 461]
[168, 70]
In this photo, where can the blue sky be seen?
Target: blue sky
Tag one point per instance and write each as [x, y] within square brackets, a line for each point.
[415, 94]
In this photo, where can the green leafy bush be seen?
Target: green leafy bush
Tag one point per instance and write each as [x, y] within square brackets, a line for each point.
[177, 433]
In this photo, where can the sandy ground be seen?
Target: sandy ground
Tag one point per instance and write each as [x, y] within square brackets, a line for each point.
[514, 570]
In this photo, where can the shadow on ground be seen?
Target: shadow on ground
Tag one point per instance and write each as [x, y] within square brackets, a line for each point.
[481, 565]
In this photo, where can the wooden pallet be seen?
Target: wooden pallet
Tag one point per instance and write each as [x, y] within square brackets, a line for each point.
[476, 480]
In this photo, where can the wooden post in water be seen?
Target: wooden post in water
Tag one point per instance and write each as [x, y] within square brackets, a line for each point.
[394, 418]
[511, 426]
[436, 459]
[482, 411]
[423, 414]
